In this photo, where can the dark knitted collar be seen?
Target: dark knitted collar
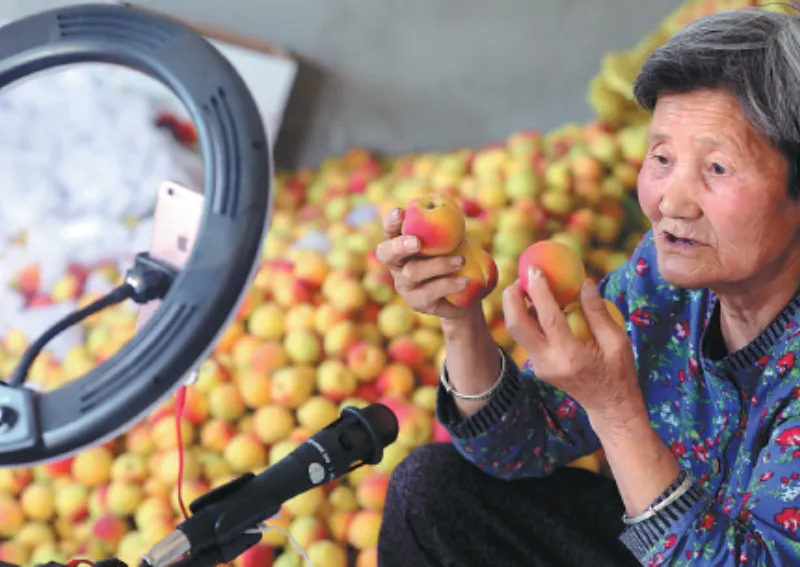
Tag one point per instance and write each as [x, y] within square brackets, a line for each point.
[713, 344]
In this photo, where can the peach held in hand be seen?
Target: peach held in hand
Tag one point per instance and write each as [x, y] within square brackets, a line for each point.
[561, 266]
[577, 321]
[438, 223]
[615, 313]
[481, 273]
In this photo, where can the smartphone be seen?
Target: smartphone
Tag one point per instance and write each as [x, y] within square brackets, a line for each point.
[176, 223]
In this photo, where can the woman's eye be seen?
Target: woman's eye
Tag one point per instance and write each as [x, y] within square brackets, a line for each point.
[661, 159]
[717, 169]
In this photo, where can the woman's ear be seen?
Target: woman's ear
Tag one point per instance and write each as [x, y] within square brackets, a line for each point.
[791, 153]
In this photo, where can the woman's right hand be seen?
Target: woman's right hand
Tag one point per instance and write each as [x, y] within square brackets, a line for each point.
[423, 282]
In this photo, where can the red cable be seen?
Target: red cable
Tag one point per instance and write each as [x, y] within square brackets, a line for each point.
[180, 402]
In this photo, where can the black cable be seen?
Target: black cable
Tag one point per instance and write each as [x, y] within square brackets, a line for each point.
[147, 280]
[118, 295]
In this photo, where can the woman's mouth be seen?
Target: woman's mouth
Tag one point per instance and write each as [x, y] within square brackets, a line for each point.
[678, 242]
[677, 239]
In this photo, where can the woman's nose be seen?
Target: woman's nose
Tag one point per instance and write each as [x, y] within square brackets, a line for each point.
[679, 199]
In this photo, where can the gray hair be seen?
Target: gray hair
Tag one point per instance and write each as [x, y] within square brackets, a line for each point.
[751, 53]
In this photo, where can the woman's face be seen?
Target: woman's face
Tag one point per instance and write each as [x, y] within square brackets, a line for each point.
[715, 191]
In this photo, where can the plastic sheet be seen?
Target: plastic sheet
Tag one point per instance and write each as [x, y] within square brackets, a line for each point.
[361, 214]
[316, 240]
[80, 164]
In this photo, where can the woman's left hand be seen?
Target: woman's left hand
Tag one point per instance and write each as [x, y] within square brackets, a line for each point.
[599, 374]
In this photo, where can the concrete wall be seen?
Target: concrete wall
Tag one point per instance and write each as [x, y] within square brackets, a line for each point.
[415, 75]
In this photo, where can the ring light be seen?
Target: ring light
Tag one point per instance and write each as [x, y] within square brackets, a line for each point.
[40, 427]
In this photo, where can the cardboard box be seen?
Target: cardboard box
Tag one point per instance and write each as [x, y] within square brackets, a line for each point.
[268, 70]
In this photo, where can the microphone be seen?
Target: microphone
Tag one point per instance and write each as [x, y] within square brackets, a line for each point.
[224, 521]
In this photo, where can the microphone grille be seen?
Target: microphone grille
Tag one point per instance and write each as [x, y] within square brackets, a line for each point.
[383, 422]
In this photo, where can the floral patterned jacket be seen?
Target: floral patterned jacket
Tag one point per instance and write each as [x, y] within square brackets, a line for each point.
[732, 421]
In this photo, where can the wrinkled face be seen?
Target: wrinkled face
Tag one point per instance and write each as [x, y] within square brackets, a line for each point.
[715, 191]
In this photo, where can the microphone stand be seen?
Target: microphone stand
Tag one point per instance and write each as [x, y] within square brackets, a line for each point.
[208, 515]
[226, 540]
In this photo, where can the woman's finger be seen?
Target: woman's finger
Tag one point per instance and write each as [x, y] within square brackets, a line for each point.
[520, 324]
[392, 224]
[427, 296]
[395, 251]
[598, 318]
[418, 271]
[548, 312]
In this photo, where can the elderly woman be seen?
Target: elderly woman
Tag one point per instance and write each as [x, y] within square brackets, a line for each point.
[697, 406]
